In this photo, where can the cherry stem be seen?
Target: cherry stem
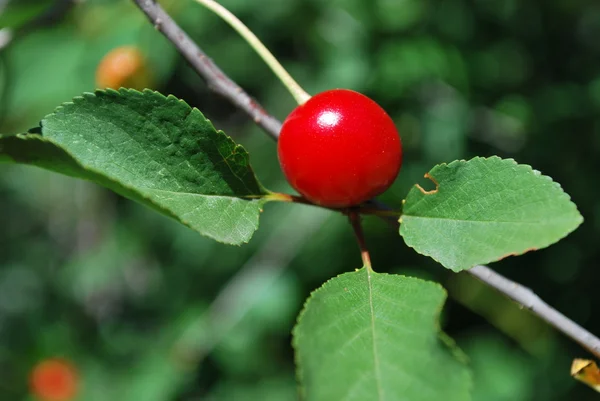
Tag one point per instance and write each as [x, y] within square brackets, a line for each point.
[367, 209]
[296, 90]
[354, 218]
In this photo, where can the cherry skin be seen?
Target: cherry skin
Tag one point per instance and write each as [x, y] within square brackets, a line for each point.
[339, 149]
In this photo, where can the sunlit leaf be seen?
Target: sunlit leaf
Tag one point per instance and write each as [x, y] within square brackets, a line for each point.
[367, 336]
[483, 210]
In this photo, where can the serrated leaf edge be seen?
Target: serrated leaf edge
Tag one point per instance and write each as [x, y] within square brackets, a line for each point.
[159, 207]
[128, 91]
[526, 167]
[124, 92]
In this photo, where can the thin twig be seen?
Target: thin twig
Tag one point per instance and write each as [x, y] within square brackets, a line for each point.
[223, 85]
[529, 300]
[524, 297]
[216, 79]
[296, 90]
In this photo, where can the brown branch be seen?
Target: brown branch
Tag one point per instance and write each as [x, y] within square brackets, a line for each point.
[224, 86]
[216, 79]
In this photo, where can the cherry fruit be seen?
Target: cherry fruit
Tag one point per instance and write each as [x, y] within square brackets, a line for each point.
[339, 149]
[123, 66]
[54, 380]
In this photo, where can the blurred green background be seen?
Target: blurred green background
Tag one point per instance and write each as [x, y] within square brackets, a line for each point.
[148, 310]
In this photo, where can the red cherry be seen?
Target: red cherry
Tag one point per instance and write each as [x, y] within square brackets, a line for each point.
[339, 149]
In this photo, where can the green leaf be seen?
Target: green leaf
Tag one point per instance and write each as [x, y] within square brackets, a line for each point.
[153, 149]
[367, 336]
[483, 210]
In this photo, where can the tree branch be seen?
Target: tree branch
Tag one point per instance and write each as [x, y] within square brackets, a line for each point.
[224, 86]
[216, 79]
[528, 299]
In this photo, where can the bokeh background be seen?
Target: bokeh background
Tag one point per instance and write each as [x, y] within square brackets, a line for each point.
[146, 309]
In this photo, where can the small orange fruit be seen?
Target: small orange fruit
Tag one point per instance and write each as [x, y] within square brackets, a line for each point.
[54, 380]
[123, 66]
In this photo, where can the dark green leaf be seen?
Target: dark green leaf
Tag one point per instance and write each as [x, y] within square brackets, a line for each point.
[153, 149]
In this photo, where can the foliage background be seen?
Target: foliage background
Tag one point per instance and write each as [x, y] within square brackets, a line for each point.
[129, 296]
